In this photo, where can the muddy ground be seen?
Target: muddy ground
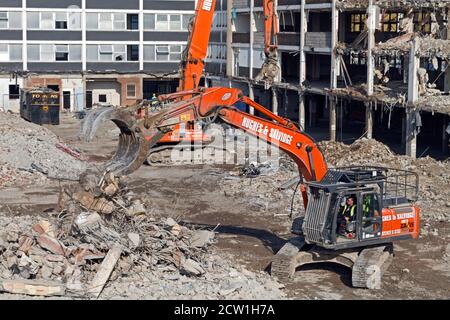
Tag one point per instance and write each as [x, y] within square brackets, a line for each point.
[249, 234]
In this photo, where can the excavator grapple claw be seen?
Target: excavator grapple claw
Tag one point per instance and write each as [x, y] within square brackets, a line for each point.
[93, 120]
[133, 147]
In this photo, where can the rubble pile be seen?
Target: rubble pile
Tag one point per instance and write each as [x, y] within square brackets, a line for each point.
[29, 151]
[258, 184]
[107, 244]
[434, 176]
[264, 189]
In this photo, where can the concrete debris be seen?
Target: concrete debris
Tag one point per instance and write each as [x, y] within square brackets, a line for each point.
[33, 287]
[105, 270]
[201, 238]
[35, 154]
[77, 254]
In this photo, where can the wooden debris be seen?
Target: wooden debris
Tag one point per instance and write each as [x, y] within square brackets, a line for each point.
[105, 270]
[33, 287]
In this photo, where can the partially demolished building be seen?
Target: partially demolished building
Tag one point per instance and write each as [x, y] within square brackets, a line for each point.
[378, 68]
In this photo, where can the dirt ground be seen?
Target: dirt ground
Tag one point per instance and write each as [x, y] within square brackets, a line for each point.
[251, 236]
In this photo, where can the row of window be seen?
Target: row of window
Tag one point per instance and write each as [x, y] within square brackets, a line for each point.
[94, 53]
[103, 21]
[390, 22]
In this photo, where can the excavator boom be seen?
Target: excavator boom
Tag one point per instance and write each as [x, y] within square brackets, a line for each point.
[139, 134]
[193, 60]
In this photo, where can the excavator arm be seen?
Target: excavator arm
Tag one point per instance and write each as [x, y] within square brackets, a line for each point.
[193, 60]
[270, 68]
[139, 134]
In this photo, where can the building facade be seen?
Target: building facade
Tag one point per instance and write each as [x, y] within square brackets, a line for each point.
[92, 51]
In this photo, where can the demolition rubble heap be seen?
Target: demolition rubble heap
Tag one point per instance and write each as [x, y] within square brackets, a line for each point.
[30, 153]
[106, 243]
[261, 182]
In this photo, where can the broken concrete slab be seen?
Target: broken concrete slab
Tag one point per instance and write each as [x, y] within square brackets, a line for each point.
[105, 270]
[33, 287]
[202, 238]
[191, 267]
[134, 238]
[86, 219]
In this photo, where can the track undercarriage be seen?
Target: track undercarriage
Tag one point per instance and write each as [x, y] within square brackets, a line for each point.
[368, 264]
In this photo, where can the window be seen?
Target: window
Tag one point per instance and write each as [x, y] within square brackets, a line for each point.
[62, 53]
[105, 53]
[92, 21]
[162, 53]
[119, 52]
[47, 20]
[10, 20]
[34, 52]
[133, 52]
[149, 53]
[102, 98]
[119, 21]
[186, 20]
[175, 53]
[162, 23]
[390, 21]
[105, 21]
[60, 20]
[4, 52]
[132, 22]
[149, 21]
[33, 20]
[14, 91]
[358, 22]
[15, 52]
[422, 22]
[47, 52]
[75, 52]
[131, 90]
[3, 20]
[92, 52]
[175, 22]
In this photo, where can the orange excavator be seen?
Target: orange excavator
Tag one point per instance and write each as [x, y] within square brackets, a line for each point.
[191, 70]
[382, 211]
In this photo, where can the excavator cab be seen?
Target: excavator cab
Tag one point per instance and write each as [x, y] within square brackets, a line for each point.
[352, 203]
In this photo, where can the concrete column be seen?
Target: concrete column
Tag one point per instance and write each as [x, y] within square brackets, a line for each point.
[413, 96]
[24, 36]
[83, 38]
[252, 40]
[332, 106]
[251, 95]
[230, 54]
[141, 35]
[303, 30]
[301, 111]
[370, 45]
[369, 120]
[334, 40]
[274, 101]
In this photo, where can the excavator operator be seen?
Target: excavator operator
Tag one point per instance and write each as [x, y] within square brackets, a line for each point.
[346, 217]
